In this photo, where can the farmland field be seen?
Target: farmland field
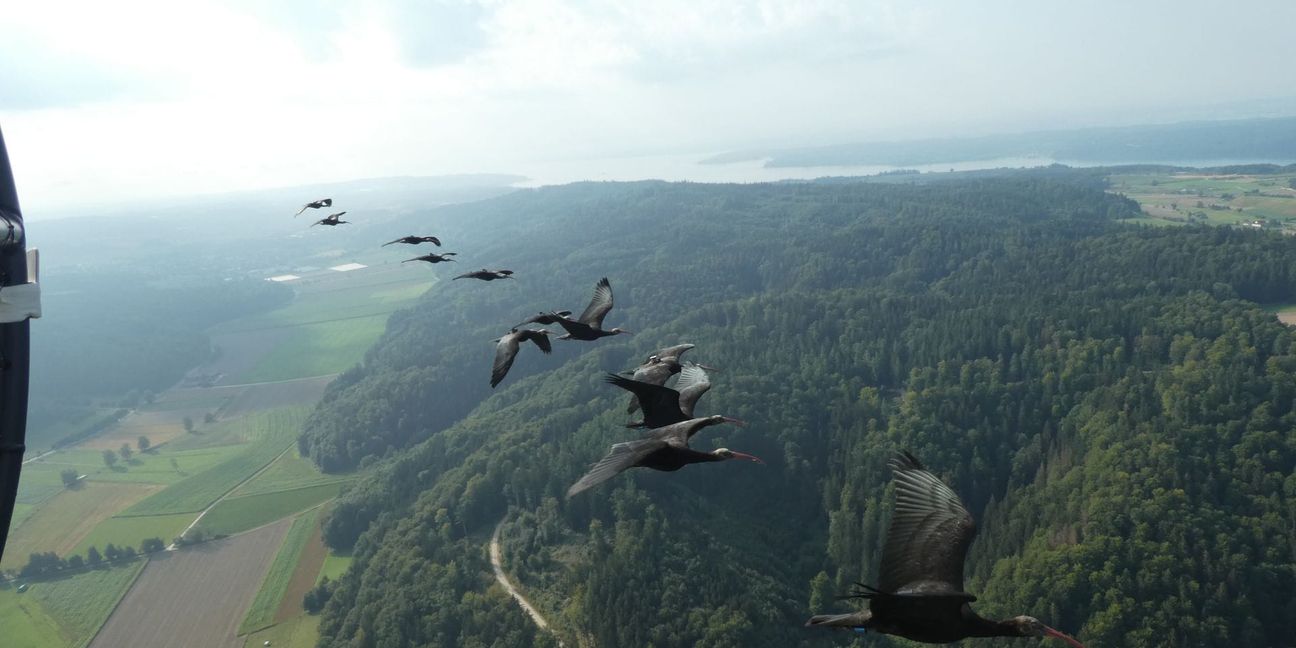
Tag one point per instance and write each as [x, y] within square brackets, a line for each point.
[236, 514]
[262, 612]
[288, 472]
[304, 576]
[130, 531]
[168, 607]
[1181, 198]
[334, 566]
[67, 518]
[64, 611]
[271, 433]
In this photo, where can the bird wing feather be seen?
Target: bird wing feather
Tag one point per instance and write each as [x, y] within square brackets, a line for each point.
[540, 338]
[622, 456]
[505, 352]
[661, 405]
[692, 383]
[599, 306]
[930, 532]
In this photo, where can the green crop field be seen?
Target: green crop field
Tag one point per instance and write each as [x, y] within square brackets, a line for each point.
[275, 431]
[261, 614]
[334, 566]
[332, 322]
[82, 602]
[131, 531]
[25, 622]
[237, 514]
[288, 472]
[154, 467]
[64, 611]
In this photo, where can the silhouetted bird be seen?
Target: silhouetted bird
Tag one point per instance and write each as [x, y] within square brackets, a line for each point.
[663, 405]
[544, 319]
[487, 275]
[331, 219]
[589, 326]
[507, 349]
[664, 448]
[315, 204]
[433, 258]
[415, 240]
[920, 594]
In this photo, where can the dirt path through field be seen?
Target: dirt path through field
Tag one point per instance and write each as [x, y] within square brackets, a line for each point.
[172, 546]
[503, 580]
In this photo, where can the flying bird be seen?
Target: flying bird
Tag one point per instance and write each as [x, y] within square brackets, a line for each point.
[315, 204]
[663, 405]
[544, 319]
[671, 352]
[506, 349]
[658, 368]
[487, 275]
[433, 258]
[920, 595]
[589, 326]
[664, 448]
[415, 240]
[331, 220]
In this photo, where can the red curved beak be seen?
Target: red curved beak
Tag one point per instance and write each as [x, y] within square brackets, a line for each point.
[744, 455]
[1063, 636]
[738, 422]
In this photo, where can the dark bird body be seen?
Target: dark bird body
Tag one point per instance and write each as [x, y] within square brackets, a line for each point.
[920, 593]
[664, 448]
[487, 275]
[415, 240]
[662, 405]
[331, 220]
[589, 326]
[508, 346]
[433, 258]
[315, 204]
[544, 319]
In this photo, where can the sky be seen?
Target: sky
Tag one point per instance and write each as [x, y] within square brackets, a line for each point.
[139, 99]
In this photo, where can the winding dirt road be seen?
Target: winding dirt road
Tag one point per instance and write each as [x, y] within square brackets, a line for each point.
[503, 580]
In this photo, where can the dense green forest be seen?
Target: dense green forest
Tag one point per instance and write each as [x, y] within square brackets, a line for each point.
[1110, 402]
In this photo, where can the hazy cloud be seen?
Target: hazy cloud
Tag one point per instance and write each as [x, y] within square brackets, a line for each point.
[146, 96]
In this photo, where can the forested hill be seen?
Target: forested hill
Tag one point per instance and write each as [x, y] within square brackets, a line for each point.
[1109, 401]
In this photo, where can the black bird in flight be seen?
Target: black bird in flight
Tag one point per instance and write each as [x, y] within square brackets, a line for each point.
[544, 319]
[487, 275]
[664, 448]
[507, 348]
[920, 594]
[663, 405]
[589, 326]
[658, 368]
[433, 258]
[315, 204]
[415, 240]
[331, 220]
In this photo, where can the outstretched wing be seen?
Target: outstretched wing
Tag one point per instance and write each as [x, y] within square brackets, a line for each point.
[673, 351]
[505, 352]
[433, 240]
[693, 382]
[929, 535]
[540, 338]
[599, 306]
[661, 405]
[622, 456]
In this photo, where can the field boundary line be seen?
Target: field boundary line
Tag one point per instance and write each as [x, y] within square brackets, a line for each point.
[147, 559]
[218, 500]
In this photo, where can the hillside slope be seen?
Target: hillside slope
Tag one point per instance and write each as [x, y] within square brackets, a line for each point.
[1113, 409]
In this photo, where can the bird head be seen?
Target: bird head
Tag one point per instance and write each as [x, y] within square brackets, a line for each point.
[734, 454]
[619, 331]
[717, 420]
[1028, 626]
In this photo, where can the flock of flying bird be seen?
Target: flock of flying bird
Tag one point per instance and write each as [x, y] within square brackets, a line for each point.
[919, 594]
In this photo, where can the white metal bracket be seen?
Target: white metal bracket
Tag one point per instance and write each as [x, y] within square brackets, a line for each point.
[23, 301]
